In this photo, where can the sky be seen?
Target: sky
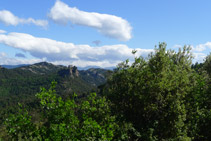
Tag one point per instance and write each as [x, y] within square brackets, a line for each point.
[100, 33]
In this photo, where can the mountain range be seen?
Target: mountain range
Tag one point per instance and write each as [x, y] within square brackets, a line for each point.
[19, 84]
[79, 68]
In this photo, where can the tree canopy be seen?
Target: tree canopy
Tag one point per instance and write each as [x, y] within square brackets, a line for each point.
[64, 120]
[162, 96]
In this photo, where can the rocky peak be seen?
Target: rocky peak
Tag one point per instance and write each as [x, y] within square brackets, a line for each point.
[73, 70]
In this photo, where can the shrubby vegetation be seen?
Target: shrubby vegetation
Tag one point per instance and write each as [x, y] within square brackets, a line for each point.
[19, 85]
[64, 120]
[162, 97]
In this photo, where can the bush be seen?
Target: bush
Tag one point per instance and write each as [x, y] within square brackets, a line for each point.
[64, 120]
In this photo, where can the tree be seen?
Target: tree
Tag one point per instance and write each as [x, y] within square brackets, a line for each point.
[203, 100]
[207, 65]
[64, 120]
[151, 93]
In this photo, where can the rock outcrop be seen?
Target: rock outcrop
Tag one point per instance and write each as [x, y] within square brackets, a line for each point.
[71, 71]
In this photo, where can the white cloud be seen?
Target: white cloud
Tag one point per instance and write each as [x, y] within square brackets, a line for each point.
[2, 54]
[83, 63]
[202, 47]
[197, 51]
[2, 31]
[109, 25]
[80, 55]
[9, 18]
[199, 48]
[177, 46]
[199, 57]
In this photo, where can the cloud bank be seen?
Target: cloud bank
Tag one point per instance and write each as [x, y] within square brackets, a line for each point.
[199, 51]
[199, 57]
[8, 18]
[109, 25]
[69, 53]
[202, 47]
[2, 31]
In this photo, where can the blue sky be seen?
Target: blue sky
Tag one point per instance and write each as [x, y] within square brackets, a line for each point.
[99, 33]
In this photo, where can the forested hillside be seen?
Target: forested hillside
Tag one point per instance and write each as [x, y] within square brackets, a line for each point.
[19, 85]
[162, 97]
[28, 79]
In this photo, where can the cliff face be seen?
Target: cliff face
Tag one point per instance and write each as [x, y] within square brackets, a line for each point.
[70, 71]
[73, 71]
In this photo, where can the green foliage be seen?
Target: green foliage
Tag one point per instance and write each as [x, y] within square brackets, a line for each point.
[152, 94]
[65, 120]
[20, 85]
[207, 65]
[202, 101]
[20, 126]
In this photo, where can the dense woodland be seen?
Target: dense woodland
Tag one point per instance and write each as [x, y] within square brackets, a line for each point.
[162, 97]
[20, 85]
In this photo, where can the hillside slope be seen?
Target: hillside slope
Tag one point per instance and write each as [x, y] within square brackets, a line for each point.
[22, 83]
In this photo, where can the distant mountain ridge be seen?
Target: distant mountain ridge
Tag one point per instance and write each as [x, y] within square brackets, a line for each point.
[79, 68]
[20, 84]
[42, 68]
[69, 78]
[13, 66]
